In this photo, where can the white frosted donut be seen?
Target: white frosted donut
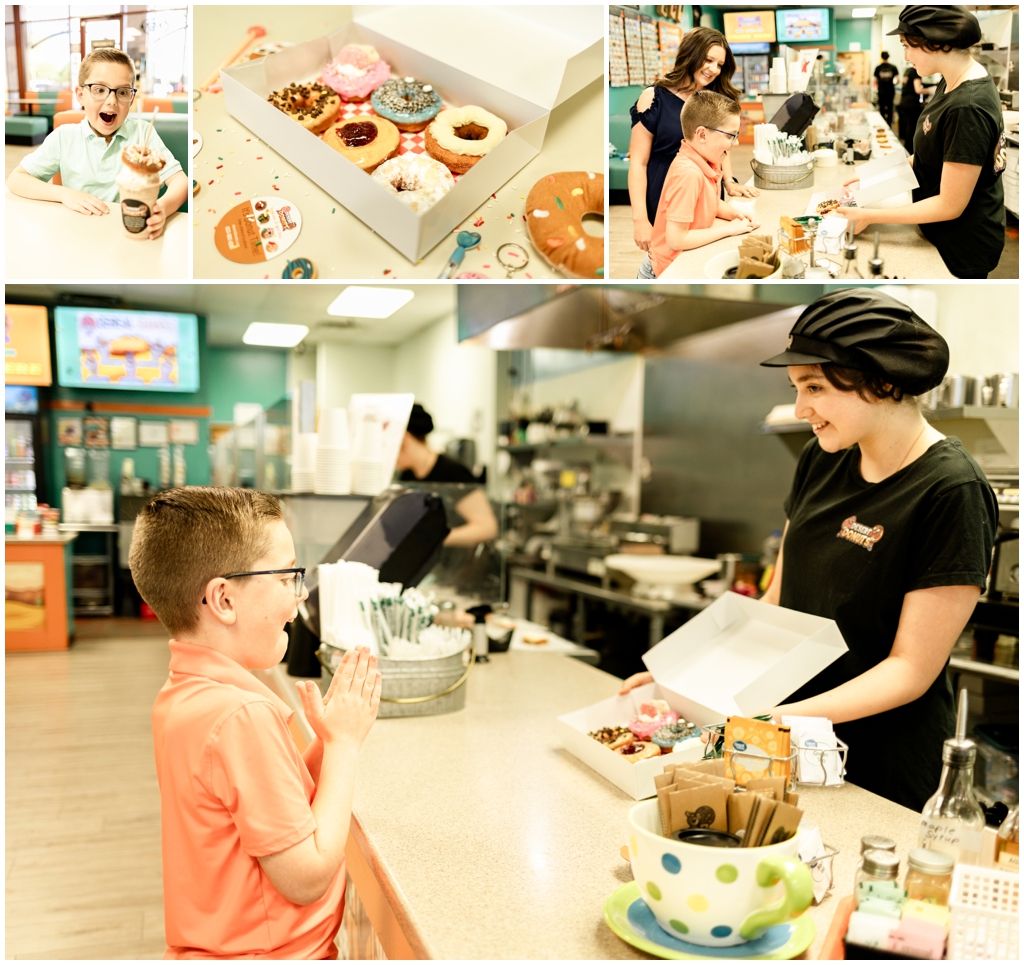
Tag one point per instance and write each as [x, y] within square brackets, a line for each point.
[443, 128]
[415, 180]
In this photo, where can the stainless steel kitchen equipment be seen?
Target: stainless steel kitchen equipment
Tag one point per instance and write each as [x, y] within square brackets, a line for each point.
[958, 391]
[1001, 389]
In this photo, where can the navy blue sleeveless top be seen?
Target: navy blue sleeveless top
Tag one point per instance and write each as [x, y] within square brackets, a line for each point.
[663, 121]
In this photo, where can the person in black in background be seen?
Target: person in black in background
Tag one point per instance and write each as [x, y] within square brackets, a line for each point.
[912, 98]
[885, 81]
[418, 462]
[959, 146]
[889, 532]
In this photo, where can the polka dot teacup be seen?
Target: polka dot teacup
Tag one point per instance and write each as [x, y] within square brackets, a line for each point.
[715, 896]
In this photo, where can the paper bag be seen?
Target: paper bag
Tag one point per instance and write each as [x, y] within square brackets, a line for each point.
[699, 807]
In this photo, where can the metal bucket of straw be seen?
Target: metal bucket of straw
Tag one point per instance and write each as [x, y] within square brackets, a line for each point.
[783, 177]
[415, 688]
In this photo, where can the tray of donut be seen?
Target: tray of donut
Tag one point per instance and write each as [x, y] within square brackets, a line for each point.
[381, 115]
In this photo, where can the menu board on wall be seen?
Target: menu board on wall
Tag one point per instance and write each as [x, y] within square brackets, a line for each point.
[26, 345]
[103, 349]
[670, 36]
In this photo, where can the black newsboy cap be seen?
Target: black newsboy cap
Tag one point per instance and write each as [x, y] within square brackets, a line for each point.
[955, 26]
[867, 330]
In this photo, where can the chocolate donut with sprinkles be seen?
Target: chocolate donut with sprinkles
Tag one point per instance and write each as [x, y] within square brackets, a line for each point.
[314, 106]
[555, 208]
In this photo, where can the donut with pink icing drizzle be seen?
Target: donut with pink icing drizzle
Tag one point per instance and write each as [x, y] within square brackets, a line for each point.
[356, 72]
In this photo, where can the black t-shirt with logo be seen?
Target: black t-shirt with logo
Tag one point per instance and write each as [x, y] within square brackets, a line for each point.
[445, 470]
[852, 552]
[886, 76]
[964, 126]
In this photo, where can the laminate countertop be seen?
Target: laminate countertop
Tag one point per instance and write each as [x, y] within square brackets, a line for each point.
[488, 840]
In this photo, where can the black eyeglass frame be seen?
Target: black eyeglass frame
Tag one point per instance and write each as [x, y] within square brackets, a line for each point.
[134, 91]
[299, 571]
[729, 134]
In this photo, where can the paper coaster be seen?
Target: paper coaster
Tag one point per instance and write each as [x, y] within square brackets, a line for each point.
[257, 230]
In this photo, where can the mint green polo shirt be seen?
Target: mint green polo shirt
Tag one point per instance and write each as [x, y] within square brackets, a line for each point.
[86, 162]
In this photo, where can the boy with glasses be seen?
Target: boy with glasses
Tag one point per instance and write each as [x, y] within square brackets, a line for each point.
[253, 834]
[690, 211]
[88, 155]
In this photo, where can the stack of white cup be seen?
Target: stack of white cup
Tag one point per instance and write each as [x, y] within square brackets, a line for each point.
[333, 470]
[304, 463]
[368, 462]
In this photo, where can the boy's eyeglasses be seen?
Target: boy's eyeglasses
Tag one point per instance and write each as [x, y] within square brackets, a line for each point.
[100, 91]
[298, 582]
[729, 134]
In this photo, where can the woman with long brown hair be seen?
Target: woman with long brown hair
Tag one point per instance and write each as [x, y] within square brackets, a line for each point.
[704, 62]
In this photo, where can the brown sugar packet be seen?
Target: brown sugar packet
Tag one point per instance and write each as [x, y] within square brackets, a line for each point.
[748, 827]
[738, 806]
[665, 810]
[748, 268]
[783, 824]
[792, 798]
[713, 765]
[663, 780]
[776, 786]
[699, 807]
[754, 837]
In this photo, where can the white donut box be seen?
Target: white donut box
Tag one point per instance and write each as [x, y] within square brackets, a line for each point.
[517, 62]
[737, 656]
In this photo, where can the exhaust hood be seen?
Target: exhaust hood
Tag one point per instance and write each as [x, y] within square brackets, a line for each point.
[636, 319]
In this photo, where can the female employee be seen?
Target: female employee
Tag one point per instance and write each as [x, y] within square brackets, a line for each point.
[889, 533]
[959, 146]
[703, 62]
[910, 106]
[418, 462]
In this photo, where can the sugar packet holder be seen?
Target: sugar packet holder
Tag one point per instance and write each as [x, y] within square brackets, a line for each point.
[809, 764]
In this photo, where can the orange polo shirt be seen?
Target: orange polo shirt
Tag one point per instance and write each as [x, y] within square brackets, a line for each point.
[233, 787]
[690, 196]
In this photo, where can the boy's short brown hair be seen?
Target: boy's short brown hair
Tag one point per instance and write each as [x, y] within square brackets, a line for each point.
[106, 55]
[705, 108]
[186, 537]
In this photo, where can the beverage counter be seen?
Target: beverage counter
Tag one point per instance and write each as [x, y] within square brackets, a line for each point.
[475, 835]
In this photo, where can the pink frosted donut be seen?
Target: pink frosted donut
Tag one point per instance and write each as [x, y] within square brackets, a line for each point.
[356, 72]
[653, 714]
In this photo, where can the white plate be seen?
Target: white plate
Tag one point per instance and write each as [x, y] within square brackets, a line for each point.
[681, 570]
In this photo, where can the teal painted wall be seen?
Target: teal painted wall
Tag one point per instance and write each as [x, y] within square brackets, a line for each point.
[226, 376]
[855, 31]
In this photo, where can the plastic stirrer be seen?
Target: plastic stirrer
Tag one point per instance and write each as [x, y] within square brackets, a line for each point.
[149, 130]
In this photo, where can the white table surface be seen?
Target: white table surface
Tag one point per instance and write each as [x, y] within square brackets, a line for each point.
[45, 240]
[337, 242]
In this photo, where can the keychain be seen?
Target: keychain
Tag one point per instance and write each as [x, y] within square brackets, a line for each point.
[516, 258]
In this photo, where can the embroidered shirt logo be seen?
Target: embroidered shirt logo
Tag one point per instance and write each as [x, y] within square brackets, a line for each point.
[927, 125]
[865, 536]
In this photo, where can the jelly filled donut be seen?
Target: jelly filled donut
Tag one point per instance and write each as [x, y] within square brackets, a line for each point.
[356, 72]
[415, 180]
[142, 159]
[299, 268]
[554, 217]
[366, 141]
[408, 103]
[312, 105]
[459, 136]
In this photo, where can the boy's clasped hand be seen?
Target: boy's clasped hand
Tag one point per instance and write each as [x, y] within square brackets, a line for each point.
[350, 707]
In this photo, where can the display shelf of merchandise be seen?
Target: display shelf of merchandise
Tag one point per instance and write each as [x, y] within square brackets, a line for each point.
[618, 68]
[19, 460]
[571, 442]
[87, 528]
[652, 53]
[670, 36]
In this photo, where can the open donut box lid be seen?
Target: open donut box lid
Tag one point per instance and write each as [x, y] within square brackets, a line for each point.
[737, 656]
[518, 63]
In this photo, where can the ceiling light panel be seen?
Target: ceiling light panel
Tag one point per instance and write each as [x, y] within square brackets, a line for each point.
[358, 301]
[274, 334]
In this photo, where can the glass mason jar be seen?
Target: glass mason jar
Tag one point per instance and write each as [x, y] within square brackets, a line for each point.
[877, 878]
[929, 876]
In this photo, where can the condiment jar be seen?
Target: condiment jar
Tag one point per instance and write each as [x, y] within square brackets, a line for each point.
[876, 880]
[929, 876]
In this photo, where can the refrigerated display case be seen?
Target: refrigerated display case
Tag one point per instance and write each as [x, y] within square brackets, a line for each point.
[751, 75]
[23, 475]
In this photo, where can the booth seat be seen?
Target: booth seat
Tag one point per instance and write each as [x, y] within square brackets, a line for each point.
[619, 129]
[168, 105]
[23, 129]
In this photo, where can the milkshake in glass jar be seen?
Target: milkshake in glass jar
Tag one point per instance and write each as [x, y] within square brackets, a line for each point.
[139, 185]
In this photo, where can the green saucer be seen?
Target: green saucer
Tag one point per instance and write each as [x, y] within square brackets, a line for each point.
[629, 917]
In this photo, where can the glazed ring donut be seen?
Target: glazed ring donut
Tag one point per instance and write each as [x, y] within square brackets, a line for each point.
[299, 268]
[408, 103]
[142, 159]
[366, 141]
[459, 136]
[554, 217]
[312, 105]
[638, 750]
[415, 180]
